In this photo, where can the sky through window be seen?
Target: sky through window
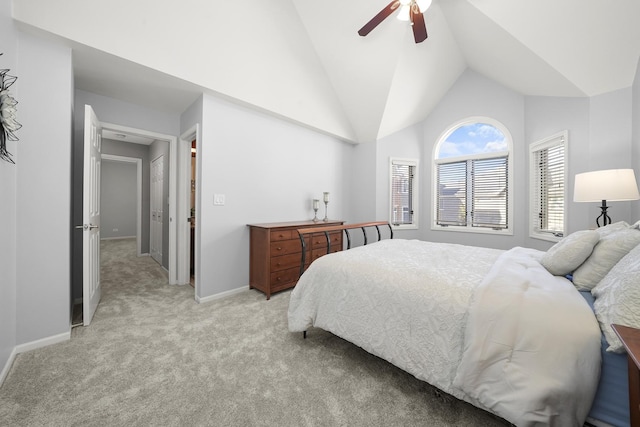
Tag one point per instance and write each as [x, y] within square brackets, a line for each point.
[473, 139]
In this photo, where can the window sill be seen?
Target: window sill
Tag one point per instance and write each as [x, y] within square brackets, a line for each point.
[545, 236]
[404, 227]
[506, 232]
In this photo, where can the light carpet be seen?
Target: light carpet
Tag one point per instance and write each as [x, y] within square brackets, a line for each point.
[152, 356]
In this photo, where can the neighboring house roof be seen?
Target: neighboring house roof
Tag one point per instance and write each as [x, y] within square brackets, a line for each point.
[304, 61]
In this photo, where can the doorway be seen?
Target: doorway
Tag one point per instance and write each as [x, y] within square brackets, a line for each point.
[174, 249]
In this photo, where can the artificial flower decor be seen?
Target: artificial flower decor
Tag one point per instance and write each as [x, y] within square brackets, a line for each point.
[8, 122]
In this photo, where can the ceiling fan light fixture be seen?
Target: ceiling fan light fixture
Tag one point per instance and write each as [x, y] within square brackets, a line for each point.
[403, 14]
[424, 5]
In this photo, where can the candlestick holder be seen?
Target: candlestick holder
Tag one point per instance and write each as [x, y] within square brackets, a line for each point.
[325, 198]
[316, 204]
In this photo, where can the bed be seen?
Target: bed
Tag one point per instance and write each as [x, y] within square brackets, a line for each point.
[492, 327]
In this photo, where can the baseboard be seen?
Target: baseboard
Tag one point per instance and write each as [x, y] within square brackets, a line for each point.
[118, 238]
[44, 342]
[221, 295]
[55, 339]
[7, 366]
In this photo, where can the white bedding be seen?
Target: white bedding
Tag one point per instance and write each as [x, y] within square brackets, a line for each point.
[407, 301]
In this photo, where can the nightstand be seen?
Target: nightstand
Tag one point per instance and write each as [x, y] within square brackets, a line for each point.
[630, 337]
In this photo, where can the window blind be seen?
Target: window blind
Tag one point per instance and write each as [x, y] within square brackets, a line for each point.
[549, 189]
[452, 194]
[489, 193]
[402, 184]
[481, 184]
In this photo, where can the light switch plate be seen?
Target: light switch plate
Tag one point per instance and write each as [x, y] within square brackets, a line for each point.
[218, 199]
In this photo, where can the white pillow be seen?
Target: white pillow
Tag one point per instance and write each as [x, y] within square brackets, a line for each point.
[609, 250]
[612, 228]
[567, 255]
[618, 298]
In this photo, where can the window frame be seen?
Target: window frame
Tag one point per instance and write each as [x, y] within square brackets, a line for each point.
[560, 138]
[414, 192]
[508, 153]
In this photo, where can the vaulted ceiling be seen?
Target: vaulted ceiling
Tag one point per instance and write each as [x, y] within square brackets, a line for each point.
[303, 60]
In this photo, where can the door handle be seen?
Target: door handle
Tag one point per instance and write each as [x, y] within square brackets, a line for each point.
[87, 226]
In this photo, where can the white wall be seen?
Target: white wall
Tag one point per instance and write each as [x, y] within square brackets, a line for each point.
[546, 116]
[361, 197]
[269, 171]
[118, 199]
[610, 130]
[43, 199]
[408, 144]
[8, 190]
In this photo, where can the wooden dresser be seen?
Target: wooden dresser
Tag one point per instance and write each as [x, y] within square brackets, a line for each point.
[276, 252]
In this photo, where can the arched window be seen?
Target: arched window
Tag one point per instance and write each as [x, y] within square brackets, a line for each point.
[472, 176]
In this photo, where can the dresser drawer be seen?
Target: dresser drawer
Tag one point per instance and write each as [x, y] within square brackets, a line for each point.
[286, 261]
[284, 277]
[320, 240]
[277, 235]
[317, 253]
[285, 247]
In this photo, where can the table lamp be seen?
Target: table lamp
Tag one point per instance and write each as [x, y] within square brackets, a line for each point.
[611, 184]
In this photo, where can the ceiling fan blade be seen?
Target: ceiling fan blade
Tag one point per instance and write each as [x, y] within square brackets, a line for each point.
[419, 27]
[384, 13]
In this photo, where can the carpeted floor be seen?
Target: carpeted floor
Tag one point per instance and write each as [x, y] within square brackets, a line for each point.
[154, 357]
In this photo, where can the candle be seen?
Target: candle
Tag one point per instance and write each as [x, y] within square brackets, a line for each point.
[316, 203]
[326, 197]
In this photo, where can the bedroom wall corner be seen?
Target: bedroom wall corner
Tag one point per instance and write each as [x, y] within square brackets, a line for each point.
[546, 116]
[610, 144]
[406, 143]
[269, 171]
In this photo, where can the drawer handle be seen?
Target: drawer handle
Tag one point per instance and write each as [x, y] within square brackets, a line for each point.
[278, 249]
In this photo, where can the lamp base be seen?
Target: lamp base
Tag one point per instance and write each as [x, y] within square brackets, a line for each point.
[605, 218]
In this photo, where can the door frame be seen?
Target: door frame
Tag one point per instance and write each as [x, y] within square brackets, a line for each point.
[183, 182]
[174, 248]
[138, 163]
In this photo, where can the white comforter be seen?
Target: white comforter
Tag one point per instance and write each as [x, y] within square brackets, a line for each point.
[415, 304]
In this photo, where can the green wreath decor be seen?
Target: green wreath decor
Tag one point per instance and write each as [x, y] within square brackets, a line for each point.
[8, 122]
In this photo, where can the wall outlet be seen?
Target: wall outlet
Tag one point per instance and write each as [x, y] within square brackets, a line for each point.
[115, 230]
[218, 199]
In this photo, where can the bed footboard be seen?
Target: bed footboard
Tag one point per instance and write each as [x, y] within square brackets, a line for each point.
[363, 226]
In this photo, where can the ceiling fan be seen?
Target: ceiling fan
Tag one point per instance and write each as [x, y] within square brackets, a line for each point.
[410, 10]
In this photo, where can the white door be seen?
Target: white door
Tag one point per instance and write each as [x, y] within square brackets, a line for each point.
[91, 216]
[157, 183]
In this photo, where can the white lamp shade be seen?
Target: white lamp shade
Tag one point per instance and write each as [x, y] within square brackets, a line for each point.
[611, 185]
[403, 14]
[423, 5]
